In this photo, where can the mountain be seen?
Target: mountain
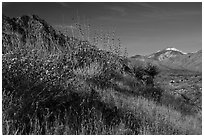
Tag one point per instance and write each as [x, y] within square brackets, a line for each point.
[172, 58]
[166, 54]
[190, 61]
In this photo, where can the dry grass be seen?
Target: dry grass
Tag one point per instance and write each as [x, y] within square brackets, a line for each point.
[159, 119]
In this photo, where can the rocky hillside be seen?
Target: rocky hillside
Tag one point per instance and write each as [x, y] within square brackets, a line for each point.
[29, 30]
[33, 32]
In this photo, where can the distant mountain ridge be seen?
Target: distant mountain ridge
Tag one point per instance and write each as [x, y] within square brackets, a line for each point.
[173, 58]
[165, 54]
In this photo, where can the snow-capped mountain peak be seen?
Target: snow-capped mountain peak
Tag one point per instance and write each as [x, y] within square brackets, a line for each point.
[174, 49]
[166, 53]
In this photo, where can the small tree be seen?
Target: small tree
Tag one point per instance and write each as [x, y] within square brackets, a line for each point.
[146, 74]
[139, 73]
[152, 70]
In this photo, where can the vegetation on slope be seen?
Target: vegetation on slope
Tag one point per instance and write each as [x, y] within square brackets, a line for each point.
[54, 84]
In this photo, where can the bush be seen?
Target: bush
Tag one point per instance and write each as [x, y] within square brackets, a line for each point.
[152, 70]
[146, 74]
[139, 72]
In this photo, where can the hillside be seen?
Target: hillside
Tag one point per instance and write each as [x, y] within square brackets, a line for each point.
[55, 84]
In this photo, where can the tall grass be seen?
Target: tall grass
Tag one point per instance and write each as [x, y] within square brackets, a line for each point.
[83, 30]
[159, 119]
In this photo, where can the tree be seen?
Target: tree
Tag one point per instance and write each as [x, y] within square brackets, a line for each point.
[152, 70]
[139, 72]
[146, 74]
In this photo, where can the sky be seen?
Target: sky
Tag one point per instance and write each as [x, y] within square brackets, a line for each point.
[142, 27]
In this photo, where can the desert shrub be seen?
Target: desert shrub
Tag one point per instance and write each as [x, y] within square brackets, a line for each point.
[138, 72]
[146, 74]
[152, 70]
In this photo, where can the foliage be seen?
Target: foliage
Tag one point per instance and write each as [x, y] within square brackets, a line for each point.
[146, 74]
[151, 70]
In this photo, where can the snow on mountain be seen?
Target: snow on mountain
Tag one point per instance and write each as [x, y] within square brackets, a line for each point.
[172, 58]
[171, 49]
[190, 61]
[174, 49]
[165, 54]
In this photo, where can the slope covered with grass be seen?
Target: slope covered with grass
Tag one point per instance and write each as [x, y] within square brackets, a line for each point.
[55, 84]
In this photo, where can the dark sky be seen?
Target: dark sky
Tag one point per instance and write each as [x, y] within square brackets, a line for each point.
[142, 27]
